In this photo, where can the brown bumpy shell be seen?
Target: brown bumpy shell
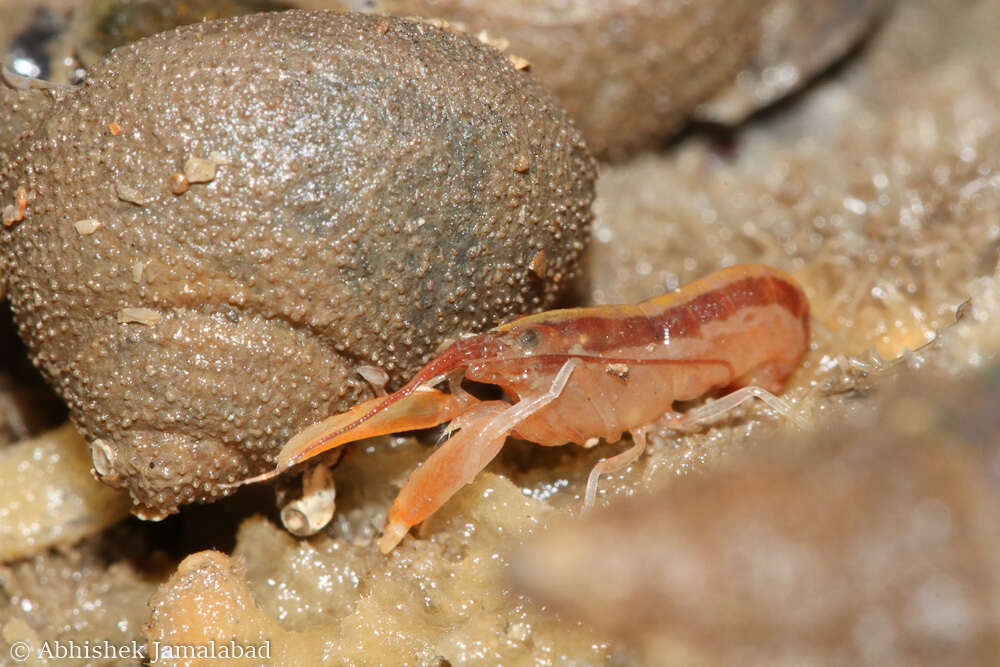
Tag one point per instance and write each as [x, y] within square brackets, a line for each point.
[354, 197]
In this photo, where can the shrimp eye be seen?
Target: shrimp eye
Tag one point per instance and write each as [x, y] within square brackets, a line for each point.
[530, 338]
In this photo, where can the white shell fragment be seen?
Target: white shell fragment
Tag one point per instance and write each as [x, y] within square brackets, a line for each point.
[376, 377]
[313, 511]
[146, 316]
[88, 226]
[104, 460]
[138, 266]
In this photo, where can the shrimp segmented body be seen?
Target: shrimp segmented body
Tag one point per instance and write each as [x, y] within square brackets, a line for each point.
[580, 375]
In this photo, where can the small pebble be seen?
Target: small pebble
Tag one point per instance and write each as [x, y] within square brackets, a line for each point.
[179, 183]
[132, 195]
[88, 226]
[519, 63]
[199, 170]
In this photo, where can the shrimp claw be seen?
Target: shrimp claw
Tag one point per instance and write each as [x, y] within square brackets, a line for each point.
[424, 407]
[455, 463]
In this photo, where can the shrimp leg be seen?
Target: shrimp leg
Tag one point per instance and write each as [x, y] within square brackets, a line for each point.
[614, 464]
[455, 463]
[731, 401]
[684, 423]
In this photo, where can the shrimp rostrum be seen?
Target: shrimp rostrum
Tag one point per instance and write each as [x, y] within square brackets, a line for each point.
[581, 375]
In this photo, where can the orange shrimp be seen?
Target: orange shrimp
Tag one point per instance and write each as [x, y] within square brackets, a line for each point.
[580, 375]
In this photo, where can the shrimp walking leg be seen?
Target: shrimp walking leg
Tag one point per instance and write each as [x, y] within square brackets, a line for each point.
[614, 464]
[733, 400]
[462, 457]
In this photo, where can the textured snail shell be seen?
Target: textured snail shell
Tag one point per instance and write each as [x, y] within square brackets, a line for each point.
[225, 221]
